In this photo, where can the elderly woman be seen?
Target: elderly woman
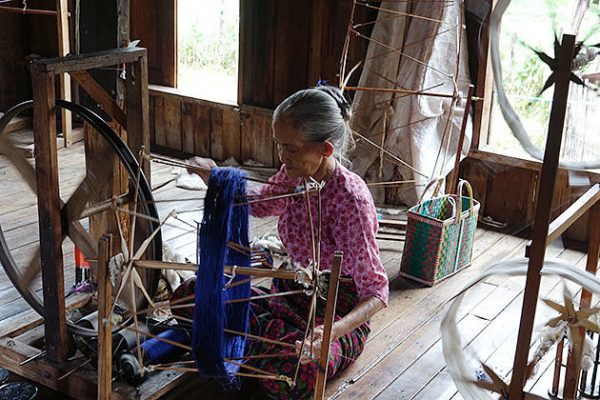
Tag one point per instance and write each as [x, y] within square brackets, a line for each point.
[310, 129]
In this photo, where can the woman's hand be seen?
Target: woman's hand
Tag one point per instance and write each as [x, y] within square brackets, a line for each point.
[201, 166]
[316, 339]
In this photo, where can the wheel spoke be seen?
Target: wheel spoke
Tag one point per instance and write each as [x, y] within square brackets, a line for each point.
[25, 169]
[32, 270]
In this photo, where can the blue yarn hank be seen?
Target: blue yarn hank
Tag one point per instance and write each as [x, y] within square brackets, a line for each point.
[223, 222]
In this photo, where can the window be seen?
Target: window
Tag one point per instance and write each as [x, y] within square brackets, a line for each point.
[530, 25]
[208, 48]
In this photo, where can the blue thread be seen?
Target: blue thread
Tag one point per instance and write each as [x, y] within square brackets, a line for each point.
[222, 223]
[157, 351]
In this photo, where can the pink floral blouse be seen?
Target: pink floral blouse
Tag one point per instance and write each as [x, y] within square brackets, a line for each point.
[348, 223]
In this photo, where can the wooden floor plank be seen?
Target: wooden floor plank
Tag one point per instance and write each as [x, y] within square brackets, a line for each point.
[403, 358]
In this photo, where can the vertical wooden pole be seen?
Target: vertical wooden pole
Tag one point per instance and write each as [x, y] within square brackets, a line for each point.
[485, 85]
[574, 359]
[104, 322]
[46, 168]
[123, 38]
[62, 24]
[138, 122]
[328, 325]
[542, 215]
[453, 184]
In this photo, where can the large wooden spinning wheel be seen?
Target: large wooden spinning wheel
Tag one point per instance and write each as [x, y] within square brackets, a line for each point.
[88, 183]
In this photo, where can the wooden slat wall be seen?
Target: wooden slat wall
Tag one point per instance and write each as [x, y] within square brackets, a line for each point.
[153, 22]
[285, 46]
[507, 193]
[14, 78]
[182, 126]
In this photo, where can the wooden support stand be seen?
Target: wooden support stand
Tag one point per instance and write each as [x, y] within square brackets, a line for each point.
[542, 216]
[22, 352]
[51, 229]
[328, 325]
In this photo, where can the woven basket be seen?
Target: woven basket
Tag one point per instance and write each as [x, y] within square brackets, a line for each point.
[439, 238]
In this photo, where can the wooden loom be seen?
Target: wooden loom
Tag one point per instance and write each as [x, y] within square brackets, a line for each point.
[20, 344]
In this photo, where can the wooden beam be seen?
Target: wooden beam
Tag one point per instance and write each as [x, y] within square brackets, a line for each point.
[228, 269]
[332, 294]
[484, 85]
[572, 214]
[453, 181]
[62, 25]
[542, 215]
[97, 92]
[46, 166]
[104, 318]
[510, 161]
[572, 374]
[93, 60]
[138, 120]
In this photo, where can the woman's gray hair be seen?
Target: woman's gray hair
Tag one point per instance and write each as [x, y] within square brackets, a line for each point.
[320, 113]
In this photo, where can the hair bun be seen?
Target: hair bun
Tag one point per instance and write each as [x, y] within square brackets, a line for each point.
[336, 94]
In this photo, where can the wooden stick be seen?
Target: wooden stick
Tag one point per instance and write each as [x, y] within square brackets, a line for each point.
[371, 184]
[228, 269]
[401, 54]
[260, 338]
[401, 13]
[246, 375]
[169, 161]
[262, 356]
[398, 90]
[104, 320]
[572, 214]
[73, 370]
[453, 184]
[264, 296]
[328, 325]
[281, 196]
[30, 11]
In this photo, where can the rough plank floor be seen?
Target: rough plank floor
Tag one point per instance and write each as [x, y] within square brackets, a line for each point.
[403, 358]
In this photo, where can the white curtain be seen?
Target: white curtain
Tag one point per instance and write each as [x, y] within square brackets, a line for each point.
[414, 125]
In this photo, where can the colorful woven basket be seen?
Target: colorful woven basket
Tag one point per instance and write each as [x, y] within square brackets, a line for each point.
[439, 238]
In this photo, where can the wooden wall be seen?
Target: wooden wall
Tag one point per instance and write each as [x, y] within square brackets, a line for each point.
[14, 79]
[285, 46]
[182, 126]
[507, 190]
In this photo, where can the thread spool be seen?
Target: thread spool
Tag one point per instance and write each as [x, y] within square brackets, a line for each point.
[18, 391]
[154, 351]
[122, 340]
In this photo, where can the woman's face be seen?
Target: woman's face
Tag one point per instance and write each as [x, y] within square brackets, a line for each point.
[301, 159]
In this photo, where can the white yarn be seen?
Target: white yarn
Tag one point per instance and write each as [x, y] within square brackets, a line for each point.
[456, 361]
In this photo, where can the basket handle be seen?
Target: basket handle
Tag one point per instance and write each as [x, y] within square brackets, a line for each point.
[438, 185]
[462, 184]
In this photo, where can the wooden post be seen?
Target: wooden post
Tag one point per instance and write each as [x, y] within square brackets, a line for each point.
[485, 85]
[453, 184]
[328, 325]
[138, 121]
[46, 166]
[574, 359]
[62, 24]
[104, 321]
[542, 215]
